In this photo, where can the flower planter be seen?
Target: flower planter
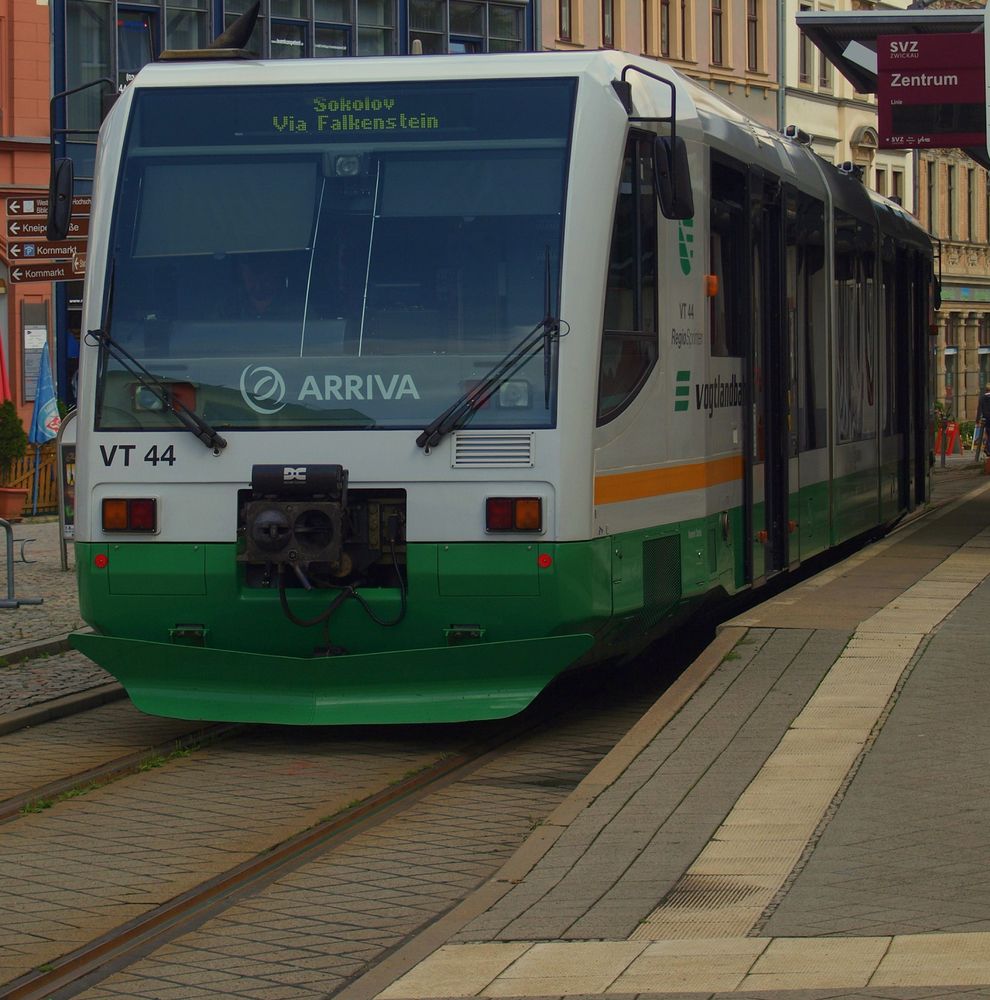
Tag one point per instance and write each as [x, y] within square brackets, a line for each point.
[12, 502]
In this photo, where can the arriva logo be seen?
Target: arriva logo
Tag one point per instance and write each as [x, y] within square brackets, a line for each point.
[263, 389]
[685, 244]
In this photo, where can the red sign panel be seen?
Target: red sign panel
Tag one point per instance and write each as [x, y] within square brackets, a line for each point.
[50, 270]
[931, 91]
[44, 250]
[28, 205]
[35, 229]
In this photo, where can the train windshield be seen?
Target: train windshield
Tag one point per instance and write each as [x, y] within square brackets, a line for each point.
[336, 255]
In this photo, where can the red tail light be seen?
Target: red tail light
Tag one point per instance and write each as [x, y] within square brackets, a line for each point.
[130, 514]
[513, 514]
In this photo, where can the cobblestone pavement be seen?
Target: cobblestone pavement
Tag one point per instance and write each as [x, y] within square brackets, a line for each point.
[42, 577]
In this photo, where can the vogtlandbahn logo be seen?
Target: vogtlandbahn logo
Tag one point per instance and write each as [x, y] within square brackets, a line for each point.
[682, 392]
[715, 395]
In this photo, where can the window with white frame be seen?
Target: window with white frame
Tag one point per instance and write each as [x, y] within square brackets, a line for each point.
[804, 51]
[608, 23]
[718, 33]
[754, 33]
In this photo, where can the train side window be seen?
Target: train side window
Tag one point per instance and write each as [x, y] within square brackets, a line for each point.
[728, 256]
[855, 328]
[630, 344]
[807, 300]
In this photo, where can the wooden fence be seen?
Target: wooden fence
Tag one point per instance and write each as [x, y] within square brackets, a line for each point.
[22, 475]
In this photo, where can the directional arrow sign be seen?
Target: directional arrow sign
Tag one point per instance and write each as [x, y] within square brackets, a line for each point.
[49, 270]
[42, 251]
[19, 205]
[27, 229]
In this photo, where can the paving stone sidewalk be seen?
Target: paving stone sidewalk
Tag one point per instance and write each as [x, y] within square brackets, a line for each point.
[41, 576]
[32, 670]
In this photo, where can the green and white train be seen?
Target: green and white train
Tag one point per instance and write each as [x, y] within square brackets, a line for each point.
[408, 383]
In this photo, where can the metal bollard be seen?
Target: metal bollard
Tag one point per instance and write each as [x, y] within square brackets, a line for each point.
[12, 601]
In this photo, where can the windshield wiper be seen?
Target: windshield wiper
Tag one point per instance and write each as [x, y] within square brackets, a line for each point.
[189, 419]
[462, 409]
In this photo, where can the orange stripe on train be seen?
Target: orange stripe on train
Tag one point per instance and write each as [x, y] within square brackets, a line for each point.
[622, 486]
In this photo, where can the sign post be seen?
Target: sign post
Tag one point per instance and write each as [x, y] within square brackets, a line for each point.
[33, 258]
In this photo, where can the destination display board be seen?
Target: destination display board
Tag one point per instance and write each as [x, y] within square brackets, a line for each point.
[931, 91]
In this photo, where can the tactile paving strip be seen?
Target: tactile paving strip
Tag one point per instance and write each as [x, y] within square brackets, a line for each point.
[751, 854]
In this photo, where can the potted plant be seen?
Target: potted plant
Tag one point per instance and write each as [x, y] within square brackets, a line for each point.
[13, 445]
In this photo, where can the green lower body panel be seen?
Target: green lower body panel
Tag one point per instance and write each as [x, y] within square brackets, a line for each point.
[439, 684]
[478, 631]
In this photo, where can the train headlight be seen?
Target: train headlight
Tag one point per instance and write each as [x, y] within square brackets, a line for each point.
[514, 394]
[513, 514]
[145, 398]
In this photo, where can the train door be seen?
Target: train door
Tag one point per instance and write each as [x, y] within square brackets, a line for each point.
[749, 333]
[730, 321]
[769, 376]
[900, 336]
[919, 271]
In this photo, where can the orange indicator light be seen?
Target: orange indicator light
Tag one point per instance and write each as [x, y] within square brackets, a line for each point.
[528, 514]
[114, 515]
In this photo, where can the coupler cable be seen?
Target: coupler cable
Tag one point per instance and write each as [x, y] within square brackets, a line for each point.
[323, 618]
[402, 595]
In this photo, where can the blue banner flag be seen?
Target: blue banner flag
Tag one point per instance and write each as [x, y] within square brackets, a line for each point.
[45, 420]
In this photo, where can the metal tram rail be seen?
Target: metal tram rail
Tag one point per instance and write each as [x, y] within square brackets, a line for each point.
[115, 949]
[120, 767]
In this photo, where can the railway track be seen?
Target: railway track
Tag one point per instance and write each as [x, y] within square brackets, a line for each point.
[74, 782]
[407, 780]
[208, 898]
[381, 777]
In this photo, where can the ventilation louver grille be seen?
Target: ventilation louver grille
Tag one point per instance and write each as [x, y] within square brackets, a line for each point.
[493, 450]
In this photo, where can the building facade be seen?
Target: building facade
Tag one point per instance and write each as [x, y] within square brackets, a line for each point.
[841, 122]
[734, 47]
[730, 45]
[25, 308]
[955, 208]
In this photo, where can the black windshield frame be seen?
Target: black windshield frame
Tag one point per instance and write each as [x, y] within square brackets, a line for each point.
[512, 167]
